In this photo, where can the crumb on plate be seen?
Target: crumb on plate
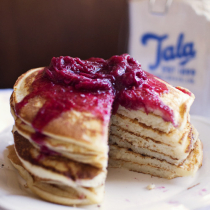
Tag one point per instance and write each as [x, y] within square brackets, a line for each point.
[150, 186]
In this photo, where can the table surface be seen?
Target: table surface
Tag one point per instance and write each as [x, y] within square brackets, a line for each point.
[5, 116]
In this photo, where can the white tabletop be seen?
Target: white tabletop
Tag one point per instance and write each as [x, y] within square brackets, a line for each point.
[5, 116]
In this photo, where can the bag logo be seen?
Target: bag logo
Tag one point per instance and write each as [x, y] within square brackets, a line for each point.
[185, 52]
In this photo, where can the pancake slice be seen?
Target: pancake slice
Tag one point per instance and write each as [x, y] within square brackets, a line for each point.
[80, 127]
[157, 122]
[121, 157]
[133, 126]
[49, 165]
[65, 149]
[147, 146]
[143, 146]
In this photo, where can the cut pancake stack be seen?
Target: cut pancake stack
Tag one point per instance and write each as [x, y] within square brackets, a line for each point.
[62, 117]
[146, 143]
[66, 162]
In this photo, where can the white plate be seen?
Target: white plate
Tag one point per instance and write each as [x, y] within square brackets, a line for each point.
[125, 190]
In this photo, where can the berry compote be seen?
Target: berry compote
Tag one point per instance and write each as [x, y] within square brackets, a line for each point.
[95, 85]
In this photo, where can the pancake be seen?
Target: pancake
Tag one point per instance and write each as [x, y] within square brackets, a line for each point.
[147, 146]
[177, 99]
[179, 102]
[53, 166]
[132, 125]
[54, 191]
[66, 149]
[83, 128]
[121, 157]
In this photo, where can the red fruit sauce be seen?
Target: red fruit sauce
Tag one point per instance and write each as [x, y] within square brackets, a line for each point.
[184, 91]
[40, 138]
[95, 85]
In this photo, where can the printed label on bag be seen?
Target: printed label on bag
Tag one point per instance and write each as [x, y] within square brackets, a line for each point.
[182, 52]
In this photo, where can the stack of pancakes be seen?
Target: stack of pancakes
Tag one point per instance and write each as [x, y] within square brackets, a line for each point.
[66, 162]
[145, 142]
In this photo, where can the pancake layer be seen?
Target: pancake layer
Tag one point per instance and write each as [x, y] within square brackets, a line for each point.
[53, 190]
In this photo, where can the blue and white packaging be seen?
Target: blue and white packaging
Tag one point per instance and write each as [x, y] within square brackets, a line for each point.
[171, 39]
